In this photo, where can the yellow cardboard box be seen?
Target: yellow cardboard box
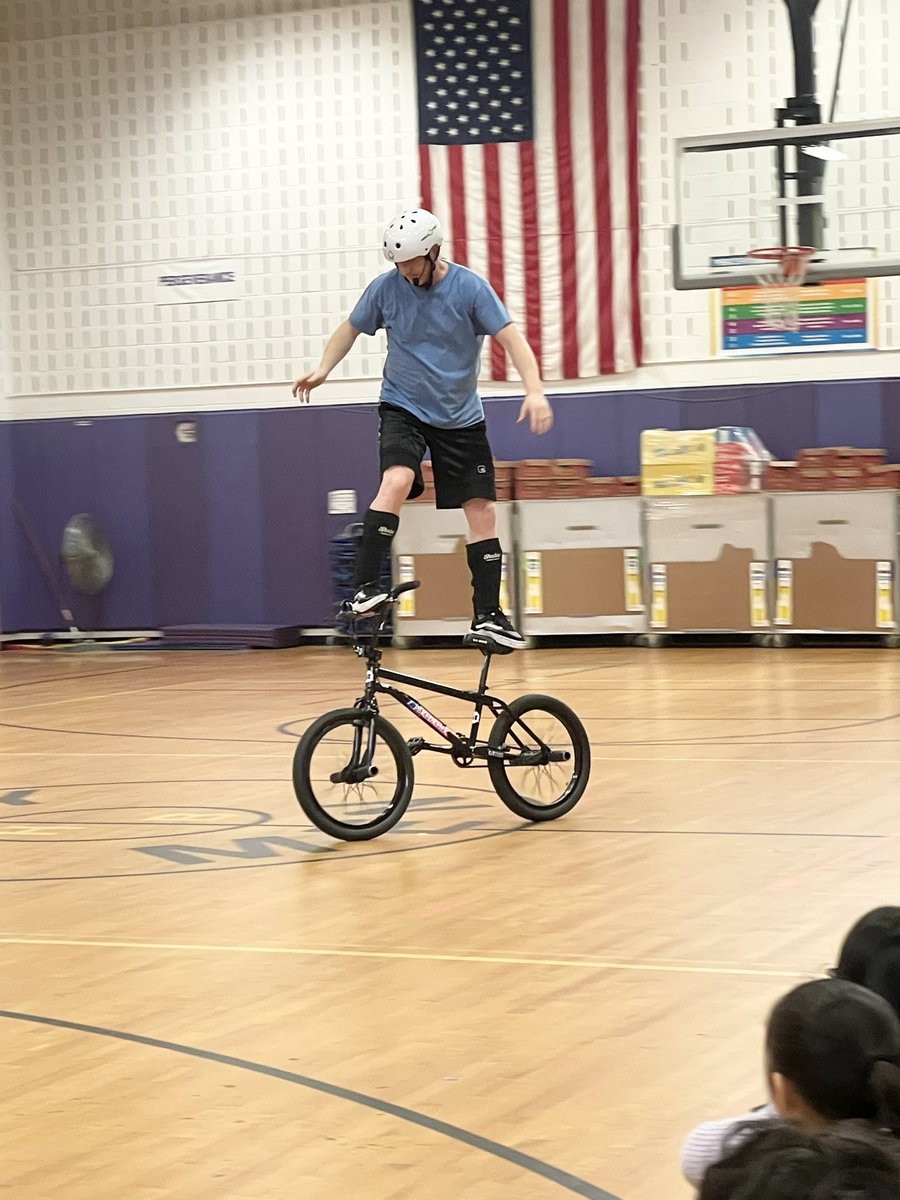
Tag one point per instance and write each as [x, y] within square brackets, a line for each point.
[678, 479]
[660, 446]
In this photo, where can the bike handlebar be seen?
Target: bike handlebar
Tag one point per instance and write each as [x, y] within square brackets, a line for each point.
[404, 587]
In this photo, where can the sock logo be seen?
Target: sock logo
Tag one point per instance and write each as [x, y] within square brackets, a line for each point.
[387, 532]
[492, 557]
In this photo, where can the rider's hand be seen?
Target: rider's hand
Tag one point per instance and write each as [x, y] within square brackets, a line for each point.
[537, 411]
[305, 384]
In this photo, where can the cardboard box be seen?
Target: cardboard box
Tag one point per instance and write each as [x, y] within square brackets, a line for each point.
[575, 583]
[553, 468]
[430, 546]
[534, 489]
[602, 485]
[716, 595]
[812, 479]
[568, 489]
[661, 446]
[820, 457]
[828, 457]
[571, 468]
[835, 556]
[830, 592]
[886, 475]
[780, 477]
[708, 561]
[685, 479]
[848, 477]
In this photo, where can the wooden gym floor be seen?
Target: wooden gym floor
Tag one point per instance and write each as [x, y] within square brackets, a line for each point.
[203, 997]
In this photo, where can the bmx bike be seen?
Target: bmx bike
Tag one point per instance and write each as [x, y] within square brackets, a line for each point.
[353, 770]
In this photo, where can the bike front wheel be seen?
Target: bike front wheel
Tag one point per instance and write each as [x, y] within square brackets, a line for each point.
[546, 758]
[353, 774]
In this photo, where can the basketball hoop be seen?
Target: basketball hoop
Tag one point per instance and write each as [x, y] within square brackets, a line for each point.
[790, 263]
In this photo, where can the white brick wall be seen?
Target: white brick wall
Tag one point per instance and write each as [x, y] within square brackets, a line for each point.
[30, 20]
[278, 142]
[139, 134]
[709, 67]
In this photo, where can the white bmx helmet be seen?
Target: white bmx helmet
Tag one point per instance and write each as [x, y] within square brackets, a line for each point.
[411, 234]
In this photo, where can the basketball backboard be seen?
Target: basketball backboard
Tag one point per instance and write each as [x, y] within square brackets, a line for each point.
[732, 197]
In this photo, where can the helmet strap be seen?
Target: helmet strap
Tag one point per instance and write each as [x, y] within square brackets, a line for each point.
[433, 255]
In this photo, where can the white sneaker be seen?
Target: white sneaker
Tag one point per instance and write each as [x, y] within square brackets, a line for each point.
[369, 597]
[495, 627]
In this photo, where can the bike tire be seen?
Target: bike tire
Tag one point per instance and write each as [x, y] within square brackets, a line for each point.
[514, 723]
[305, 785]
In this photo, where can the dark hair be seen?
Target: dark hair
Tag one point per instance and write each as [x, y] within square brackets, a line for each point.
[870, 955]
[781, 1162]
[839, 1045]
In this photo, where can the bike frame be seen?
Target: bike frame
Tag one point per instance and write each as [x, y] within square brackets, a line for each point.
[463, 748]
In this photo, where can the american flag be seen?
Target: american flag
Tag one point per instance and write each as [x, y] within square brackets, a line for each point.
[528, 154]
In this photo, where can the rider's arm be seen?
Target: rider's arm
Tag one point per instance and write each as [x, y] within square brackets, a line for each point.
[338, 346]
[513, 342]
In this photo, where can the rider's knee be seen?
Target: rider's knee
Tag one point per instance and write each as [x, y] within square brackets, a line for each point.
[396, 483]
[482, 516]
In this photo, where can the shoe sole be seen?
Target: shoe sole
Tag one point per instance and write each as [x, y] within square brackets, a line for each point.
[494, 639]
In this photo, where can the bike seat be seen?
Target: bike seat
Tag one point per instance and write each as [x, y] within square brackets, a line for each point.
[485, 645]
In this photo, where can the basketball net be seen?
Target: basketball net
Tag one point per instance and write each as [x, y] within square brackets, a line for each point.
[781, 309]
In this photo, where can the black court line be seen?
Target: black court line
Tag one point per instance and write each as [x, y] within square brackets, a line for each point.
[526, 1162]
[330, 852]
[734, 738]
[722, 740]
[8, 687]
[153, 737]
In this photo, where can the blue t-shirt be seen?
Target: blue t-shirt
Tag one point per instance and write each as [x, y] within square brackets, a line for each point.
[434, 340]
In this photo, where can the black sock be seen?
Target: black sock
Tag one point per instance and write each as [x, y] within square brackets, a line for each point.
[485, 563]
[378, 533]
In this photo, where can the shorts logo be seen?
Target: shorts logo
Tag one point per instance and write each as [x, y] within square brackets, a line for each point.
[481, 469]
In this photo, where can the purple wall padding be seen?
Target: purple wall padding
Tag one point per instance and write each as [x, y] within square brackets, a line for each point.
[234, 527]
[10, 568]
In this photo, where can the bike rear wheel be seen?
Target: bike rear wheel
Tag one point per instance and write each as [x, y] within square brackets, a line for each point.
[353, 774]
[546, 759]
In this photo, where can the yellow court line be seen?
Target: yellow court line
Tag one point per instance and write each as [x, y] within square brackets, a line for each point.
[130, 754]
[597, 758]
[490, 959]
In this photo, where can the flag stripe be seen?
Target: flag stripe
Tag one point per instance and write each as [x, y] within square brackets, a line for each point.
[474, 190]
[632, 59]
[458, 204]
[547, 224]
[493, 212]
[439, 177]
[566, 190]
[583, 154]
[511, 217]
[533, 328]
[602, 202]
[425, 178]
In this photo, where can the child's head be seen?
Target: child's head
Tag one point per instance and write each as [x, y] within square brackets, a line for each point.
[833, 1051]
[782, 1162]
[870, 954]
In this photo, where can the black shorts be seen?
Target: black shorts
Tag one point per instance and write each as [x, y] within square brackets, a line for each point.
[461, 458]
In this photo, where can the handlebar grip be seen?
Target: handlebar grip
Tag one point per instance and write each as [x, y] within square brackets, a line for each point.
[405, 587]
